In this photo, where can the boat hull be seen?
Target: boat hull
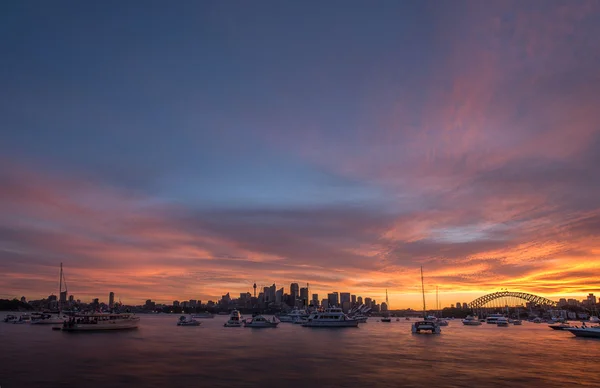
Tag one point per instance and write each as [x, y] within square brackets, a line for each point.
[586, 333]
[334, 324]
[102, 327]
[51, 321]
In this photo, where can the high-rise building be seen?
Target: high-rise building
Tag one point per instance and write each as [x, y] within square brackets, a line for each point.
[458, 305]
[294, 292]
[359, 300]
[344, 297]
[384, 307]
[353, 299]
[325, 303]
[368, 302]
[591, 300]
[63, 297]
[193, 303]
[304, 295]
[175, 303]
[315, 300]
[111, 299]
[279, 296]
[23, 299]
[71, 298]
[333, 299]
[465, 306]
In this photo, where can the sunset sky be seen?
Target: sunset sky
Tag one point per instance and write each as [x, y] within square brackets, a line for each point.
[182, 150]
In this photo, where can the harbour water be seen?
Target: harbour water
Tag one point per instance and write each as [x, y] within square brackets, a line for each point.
[376, 354]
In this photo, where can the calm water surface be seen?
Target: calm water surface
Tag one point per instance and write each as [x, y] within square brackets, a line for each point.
[161, 354]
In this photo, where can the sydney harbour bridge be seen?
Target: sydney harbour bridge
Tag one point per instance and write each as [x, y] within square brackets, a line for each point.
[512, 299]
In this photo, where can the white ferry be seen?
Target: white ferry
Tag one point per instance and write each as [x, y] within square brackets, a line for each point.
[101, 321]
[332, 317]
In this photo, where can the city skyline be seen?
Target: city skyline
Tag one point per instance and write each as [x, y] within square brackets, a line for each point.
[203, 147]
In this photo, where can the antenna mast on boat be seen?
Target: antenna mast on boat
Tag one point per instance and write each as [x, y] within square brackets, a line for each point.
[423, 291]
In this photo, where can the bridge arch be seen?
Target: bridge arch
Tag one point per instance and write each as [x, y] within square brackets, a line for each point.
[483, 300]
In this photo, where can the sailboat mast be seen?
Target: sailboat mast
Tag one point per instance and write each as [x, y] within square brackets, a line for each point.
[60, 290]
[437, 301]
[423, 291]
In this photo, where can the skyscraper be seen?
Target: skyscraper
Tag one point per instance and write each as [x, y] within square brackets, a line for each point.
[353, 299]
[368, 302]
[111, 299]
[344, 297]
[304, 295]
[359, 300]
[333, 299]
[279, 296]
[315, 300]
[294, 292]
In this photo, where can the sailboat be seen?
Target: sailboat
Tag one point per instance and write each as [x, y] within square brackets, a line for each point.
[386, 318]
[438, 316]
[427, 325]
[50, 319]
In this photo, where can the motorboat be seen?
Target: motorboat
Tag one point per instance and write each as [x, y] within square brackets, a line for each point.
[517, 322]
[46, 319]
[560, 326]
[502, 322]
[101, 321]
[588, 332]
[185, 321]
[471, 321]
[492, 319]
[537, 320]
[331, 317]
[426, 326]
[386, 319]
[204, 315]
[594, 319]
[235, 319]
[442, 322]
[293, 316]
[24, 318]
[10, 318]
[261, 322]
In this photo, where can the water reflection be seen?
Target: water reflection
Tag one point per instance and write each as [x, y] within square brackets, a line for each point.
[160, 353]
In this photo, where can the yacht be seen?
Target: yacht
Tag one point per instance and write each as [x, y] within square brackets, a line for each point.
[185, 321]
[259, 321]
[594, 319]
[10, 318]
[294, 316]
[101, 321]
[331, 317]
[204, 315]
[502, 322]
[24, 318]
[589, 332]
[426, 325]
[517, 322]
[560, 326]
[46, 319]
[471, 321]
[235, 319]
[493, 318]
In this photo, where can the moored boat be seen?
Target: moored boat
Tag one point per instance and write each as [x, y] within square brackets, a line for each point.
[204, 315]
[492, 319]
[261, 322]
[560, 326]
[185, 321]
[471, 321]
[10, 318]
[46, 319]
[502, 322]
[426, 326]
[331, 317]
[101, 322]
[235, 319]
[587, 332]
[24, 318]
[517, 322]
